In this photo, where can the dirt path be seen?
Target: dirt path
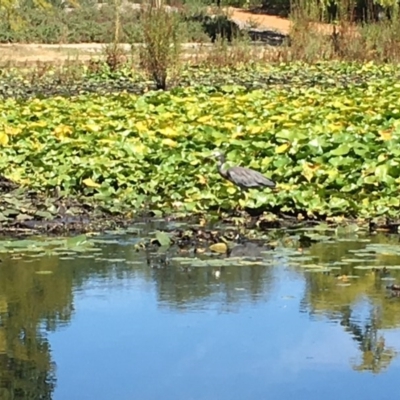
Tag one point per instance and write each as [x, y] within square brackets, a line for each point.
[263, 21]
[272, 22]
[21, 53]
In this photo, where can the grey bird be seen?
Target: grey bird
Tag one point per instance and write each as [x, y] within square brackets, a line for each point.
[245, 178]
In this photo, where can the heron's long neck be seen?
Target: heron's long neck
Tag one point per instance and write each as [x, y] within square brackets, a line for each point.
[221, 169]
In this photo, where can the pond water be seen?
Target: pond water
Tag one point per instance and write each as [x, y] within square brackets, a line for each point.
[107, 321]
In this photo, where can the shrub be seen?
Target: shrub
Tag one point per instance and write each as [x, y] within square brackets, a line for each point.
[161, 39]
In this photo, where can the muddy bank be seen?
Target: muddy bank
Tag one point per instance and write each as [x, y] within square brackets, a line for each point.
[24, 212]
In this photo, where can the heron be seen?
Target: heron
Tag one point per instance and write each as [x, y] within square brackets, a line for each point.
[244, 178]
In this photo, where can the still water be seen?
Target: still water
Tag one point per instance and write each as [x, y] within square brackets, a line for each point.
[105, 323]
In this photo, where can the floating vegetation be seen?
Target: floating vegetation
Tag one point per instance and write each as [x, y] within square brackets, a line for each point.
[355, 260]
[338, 147]
[41, 247]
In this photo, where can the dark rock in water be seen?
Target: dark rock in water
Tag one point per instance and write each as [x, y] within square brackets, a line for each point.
[393, 287]
[7, 185]
[249, 250]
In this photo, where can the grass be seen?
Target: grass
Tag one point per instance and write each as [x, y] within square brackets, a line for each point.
[344, 39]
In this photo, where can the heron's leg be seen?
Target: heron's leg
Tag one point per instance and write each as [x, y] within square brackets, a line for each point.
[240, 203]
[243, 201]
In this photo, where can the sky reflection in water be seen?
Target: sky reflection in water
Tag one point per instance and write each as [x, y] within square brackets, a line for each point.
[105, 325]
[126, 343]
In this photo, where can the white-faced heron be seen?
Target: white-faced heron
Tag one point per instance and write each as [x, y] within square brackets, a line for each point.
[245, 178]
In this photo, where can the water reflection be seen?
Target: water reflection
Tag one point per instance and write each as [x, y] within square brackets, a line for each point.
[225, 287]
[263, 297]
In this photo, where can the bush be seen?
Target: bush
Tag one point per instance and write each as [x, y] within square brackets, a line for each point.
[161, 38]
[86, 24]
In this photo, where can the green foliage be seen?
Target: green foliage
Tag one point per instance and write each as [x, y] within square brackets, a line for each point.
[332, 10]
[331, 144]
[84, 24]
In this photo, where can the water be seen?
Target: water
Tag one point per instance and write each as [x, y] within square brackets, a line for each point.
[100, 323]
